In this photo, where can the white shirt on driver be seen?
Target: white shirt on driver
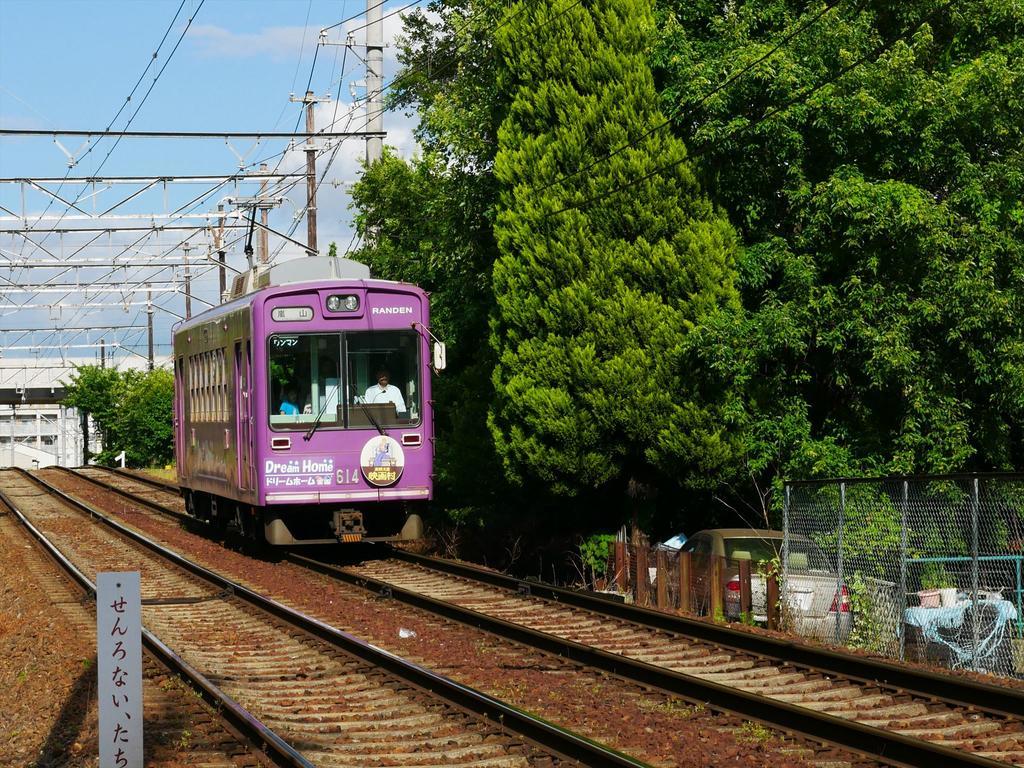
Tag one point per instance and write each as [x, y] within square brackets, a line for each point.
[389, 394]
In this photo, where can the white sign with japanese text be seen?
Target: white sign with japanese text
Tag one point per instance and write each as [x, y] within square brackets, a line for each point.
[119, 666]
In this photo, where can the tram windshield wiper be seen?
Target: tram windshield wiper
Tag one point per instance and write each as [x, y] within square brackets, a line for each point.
[369, 414]
[316, 422]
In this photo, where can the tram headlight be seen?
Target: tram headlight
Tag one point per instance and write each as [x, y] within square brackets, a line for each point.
[343, 303]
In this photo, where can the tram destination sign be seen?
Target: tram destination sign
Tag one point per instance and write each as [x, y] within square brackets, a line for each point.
[292, 314]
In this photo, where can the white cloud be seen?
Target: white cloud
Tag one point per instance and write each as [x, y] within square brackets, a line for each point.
[279, 43]
[284, 43]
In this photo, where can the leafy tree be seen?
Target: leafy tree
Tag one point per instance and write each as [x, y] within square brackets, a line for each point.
[882, 220]
[602, 299]
[145, 418]
[92, 391]
[133, 411]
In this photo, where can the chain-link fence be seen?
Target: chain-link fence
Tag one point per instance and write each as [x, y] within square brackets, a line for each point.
[921, 568]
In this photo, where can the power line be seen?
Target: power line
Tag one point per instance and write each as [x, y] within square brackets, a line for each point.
[354, 16]
[146, 96]
[159, 179]
[409, 73]
[148, 65]
[799, 99]
[387, 15]
[153, 84]
[693, 109]
[181, 134]
[155, 229]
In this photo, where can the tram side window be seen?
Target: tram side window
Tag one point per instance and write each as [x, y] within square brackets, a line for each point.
[304, 382]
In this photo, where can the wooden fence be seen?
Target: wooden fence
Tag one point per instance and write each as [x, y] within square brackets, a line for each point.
[671, 580]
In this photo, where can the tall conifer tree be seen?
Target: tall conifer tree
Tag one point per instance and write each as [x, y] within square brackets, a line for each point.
[601, 309]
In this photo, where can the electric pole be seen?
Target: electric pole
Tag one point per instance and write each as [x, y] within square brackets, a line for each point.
[265, 211]
[149, 322]
[187, 246]
[374, 78]
[218, 243]
[310, 101]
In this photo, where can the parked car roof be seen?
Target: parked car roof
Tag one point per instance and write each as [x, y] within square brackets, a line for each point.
[741, 533]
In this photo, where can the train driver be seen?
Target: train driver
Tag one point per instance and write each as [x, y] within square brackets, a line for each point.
[385, 392]
[288, 403]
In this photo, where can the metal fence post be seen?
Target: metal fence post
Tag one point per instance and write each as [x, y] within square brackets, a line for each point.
[685, 582]
[661, 568]
[975, 501]
[903, 570]
[785, 550]
[839, 582]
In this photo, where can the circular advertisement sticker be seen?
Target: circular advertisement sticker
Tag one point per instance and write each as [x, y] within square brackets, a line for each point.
[382, 460]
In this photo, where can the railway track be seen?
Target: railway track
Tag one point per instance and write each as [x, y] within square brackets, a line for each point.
[312, 693]
[898, 710]
[903, 716]
[176, 719]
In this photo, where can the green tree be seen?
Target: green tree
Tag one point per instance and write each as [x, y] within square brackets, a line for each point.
[145, 419]
[92, 390]
[601, 309]
[133, 411]
[882, 221]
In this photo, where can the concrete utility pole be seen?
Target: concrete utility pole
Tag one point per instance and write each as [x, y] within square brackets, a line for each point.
[310, 100]
[103, 353]
[265, 212]
[218, 243]
[149, 323]
[310, 176]
[374, 78]
[187, 246]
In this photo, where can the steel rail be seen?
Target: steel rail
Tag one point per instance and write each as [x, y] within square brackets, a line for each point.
[133, 497]
[993, 699]
[239, 721]
[551, 738]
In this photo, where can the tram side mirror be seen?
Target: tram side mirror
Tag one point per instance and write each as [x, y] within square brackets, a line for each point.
[440, 356]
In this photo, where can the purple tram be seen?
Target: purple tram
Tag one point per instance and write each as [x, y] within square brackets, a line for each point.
[302, 410]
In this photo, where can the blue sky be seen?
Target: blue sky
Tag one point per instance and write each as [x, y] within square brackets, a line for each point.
[69, 64]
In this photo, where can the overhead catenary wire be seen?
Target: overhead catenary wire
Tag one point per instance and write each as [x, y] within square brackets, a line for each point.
[282, 155]
[132, 93]
[173, 134]
[148, 91]
[353, 17]
[195, 202]
[395, 12]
